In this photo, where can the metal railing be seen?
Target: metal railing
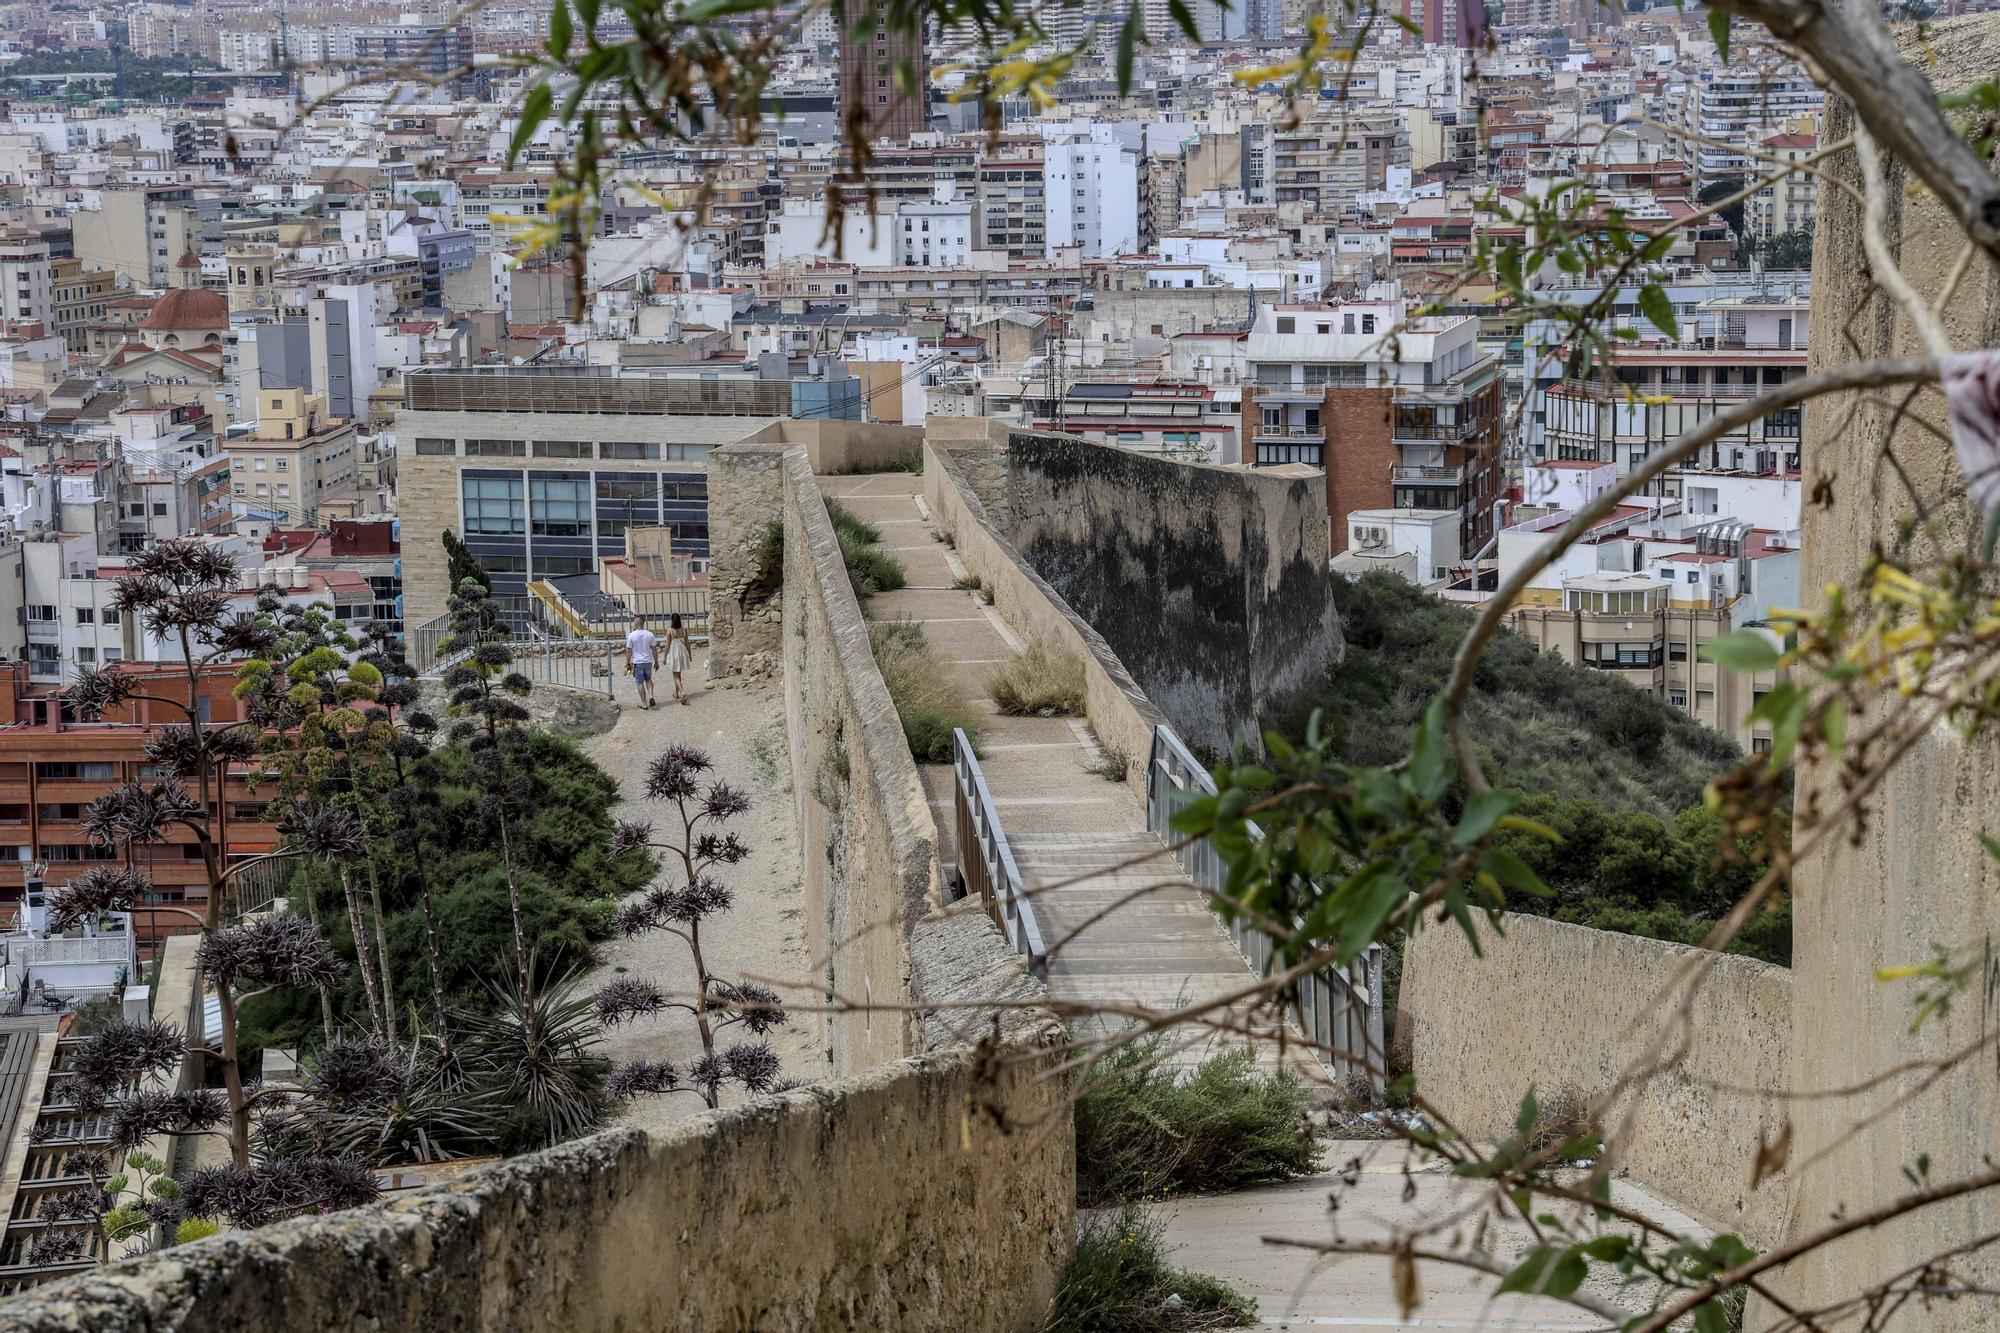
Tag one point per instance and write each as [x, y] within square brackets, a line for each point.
[567, 641]
[1339, 1009]
[986, 862]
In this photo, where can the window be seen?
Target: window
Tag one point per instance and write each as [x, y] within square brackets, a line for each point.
[284, 465]
[564, 449]
[1677, 652]
[1286, 324]
[1678, 698]
[558, 566]
[63, 771]
[1368, 323]
[560, 508]
[431, 446]
[111, 616]
[86, 615]
[42, 613]
[1347, 322]
[159, 509]
[114, 654]
[494, 506]
[1760, 745]
[86, 656]
[629, 449]
[260, 464]
[688, 453]
[684, 490]
[495, 449]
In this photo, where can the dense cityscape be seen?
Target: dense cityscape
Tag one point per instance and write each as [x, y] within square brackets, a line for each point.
[474, 519]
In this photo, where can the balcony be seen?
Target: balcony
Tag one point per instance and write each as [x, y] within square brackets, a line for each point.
[1317, 434]
[1428, 476]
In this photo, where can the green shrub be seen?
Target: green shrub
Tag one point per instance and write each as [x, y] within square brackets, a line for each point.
[1041, 680]
[925, 692]
[1542, 725]
[1118, 1282]
[869, 568]
[1146, 1129]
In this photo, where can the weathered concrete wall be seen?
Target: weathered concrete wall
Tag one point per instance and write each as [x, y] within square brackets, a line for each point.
[746, 491]
[868, 845]
[1570, 1009]
[1117, 709]
[1210, 582]
[894, 1200]
[1917, 877]
[834, 447]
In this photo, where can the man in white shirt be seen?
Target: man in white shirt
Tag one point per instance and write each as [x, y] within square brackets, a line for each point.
[639, 645]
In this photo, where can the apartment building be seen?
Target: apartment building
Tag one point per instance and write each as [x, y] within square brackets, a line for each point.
[1734, 348]
[1790, 204]
[80, 296]
[1013, 202]
[53, 765]
[1736, 107]
[1404, 422]
[138, 232]
[297, 460]
[27, 291]
[1329, 159]
[884, 76]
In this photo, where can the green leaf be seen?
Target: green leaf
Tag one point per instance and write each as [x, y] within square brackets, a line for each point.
[1567, 1275]
[1527, 1275]
[1512, 871]
[560, 29]
[1658, 308]
[1528, 1115]
[587, 11]
[1785, 732]
[1131, 35]
[1609, 1249]
[1710, 1317]
[1743, 650]
[535, 109]
[1657, 248]
[1482, 812]
[1430, 758]
[1370, 897]
[1184, 19]
[1718, 28]
[1833, 725]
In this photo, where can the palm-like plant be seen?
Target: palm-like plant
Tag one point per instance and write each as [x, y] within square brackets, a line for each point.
[543, 1050]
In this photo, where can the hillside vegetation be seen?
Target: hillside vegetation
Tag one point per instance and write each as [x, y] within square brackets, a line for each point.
[1542, 725]
[1618, 773]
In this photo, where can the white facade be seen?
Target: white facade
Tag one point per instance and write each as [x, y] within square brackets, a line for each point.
[1091, 196]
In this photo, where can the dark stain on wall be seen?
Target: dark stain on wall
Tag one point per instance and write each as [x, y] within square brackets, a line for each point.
[1210, 583]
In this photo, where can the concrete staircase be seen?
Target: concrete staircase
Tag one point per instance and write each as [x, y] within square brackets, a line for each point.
[1162, 948]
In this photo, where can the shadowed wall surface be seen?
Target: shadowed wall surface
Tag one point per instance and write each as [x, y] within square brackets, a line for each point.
[1209, 583]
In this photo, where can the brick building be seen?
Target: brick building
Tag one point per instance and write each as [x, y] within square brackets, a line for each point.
[52, 766]
[1402, 413]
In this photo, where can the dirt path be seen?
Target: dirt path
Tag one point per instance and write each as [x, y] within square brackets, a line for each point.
[743, 731]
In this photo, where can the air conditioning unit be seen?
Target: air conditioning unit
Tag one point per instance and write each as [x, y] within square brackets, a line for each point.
[1367, 537]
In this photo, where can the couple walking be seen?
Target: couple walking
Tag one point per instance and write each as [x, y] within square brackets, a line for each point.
[642, 646]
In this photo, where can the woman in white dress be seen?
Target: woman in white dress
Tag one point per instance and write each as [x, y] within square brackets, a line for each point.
[679, 655]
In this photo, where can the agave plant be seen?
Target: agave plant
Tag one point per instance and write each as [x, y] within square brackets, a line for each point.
[542, 1050]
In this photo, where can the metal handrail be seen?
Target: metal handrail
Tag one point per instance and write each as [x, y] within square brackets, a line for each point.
[985, 861]
[1339, 1009]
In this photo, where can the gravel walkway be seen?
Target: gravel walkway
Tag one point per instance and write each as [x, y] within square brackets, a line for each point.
[743, 731]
